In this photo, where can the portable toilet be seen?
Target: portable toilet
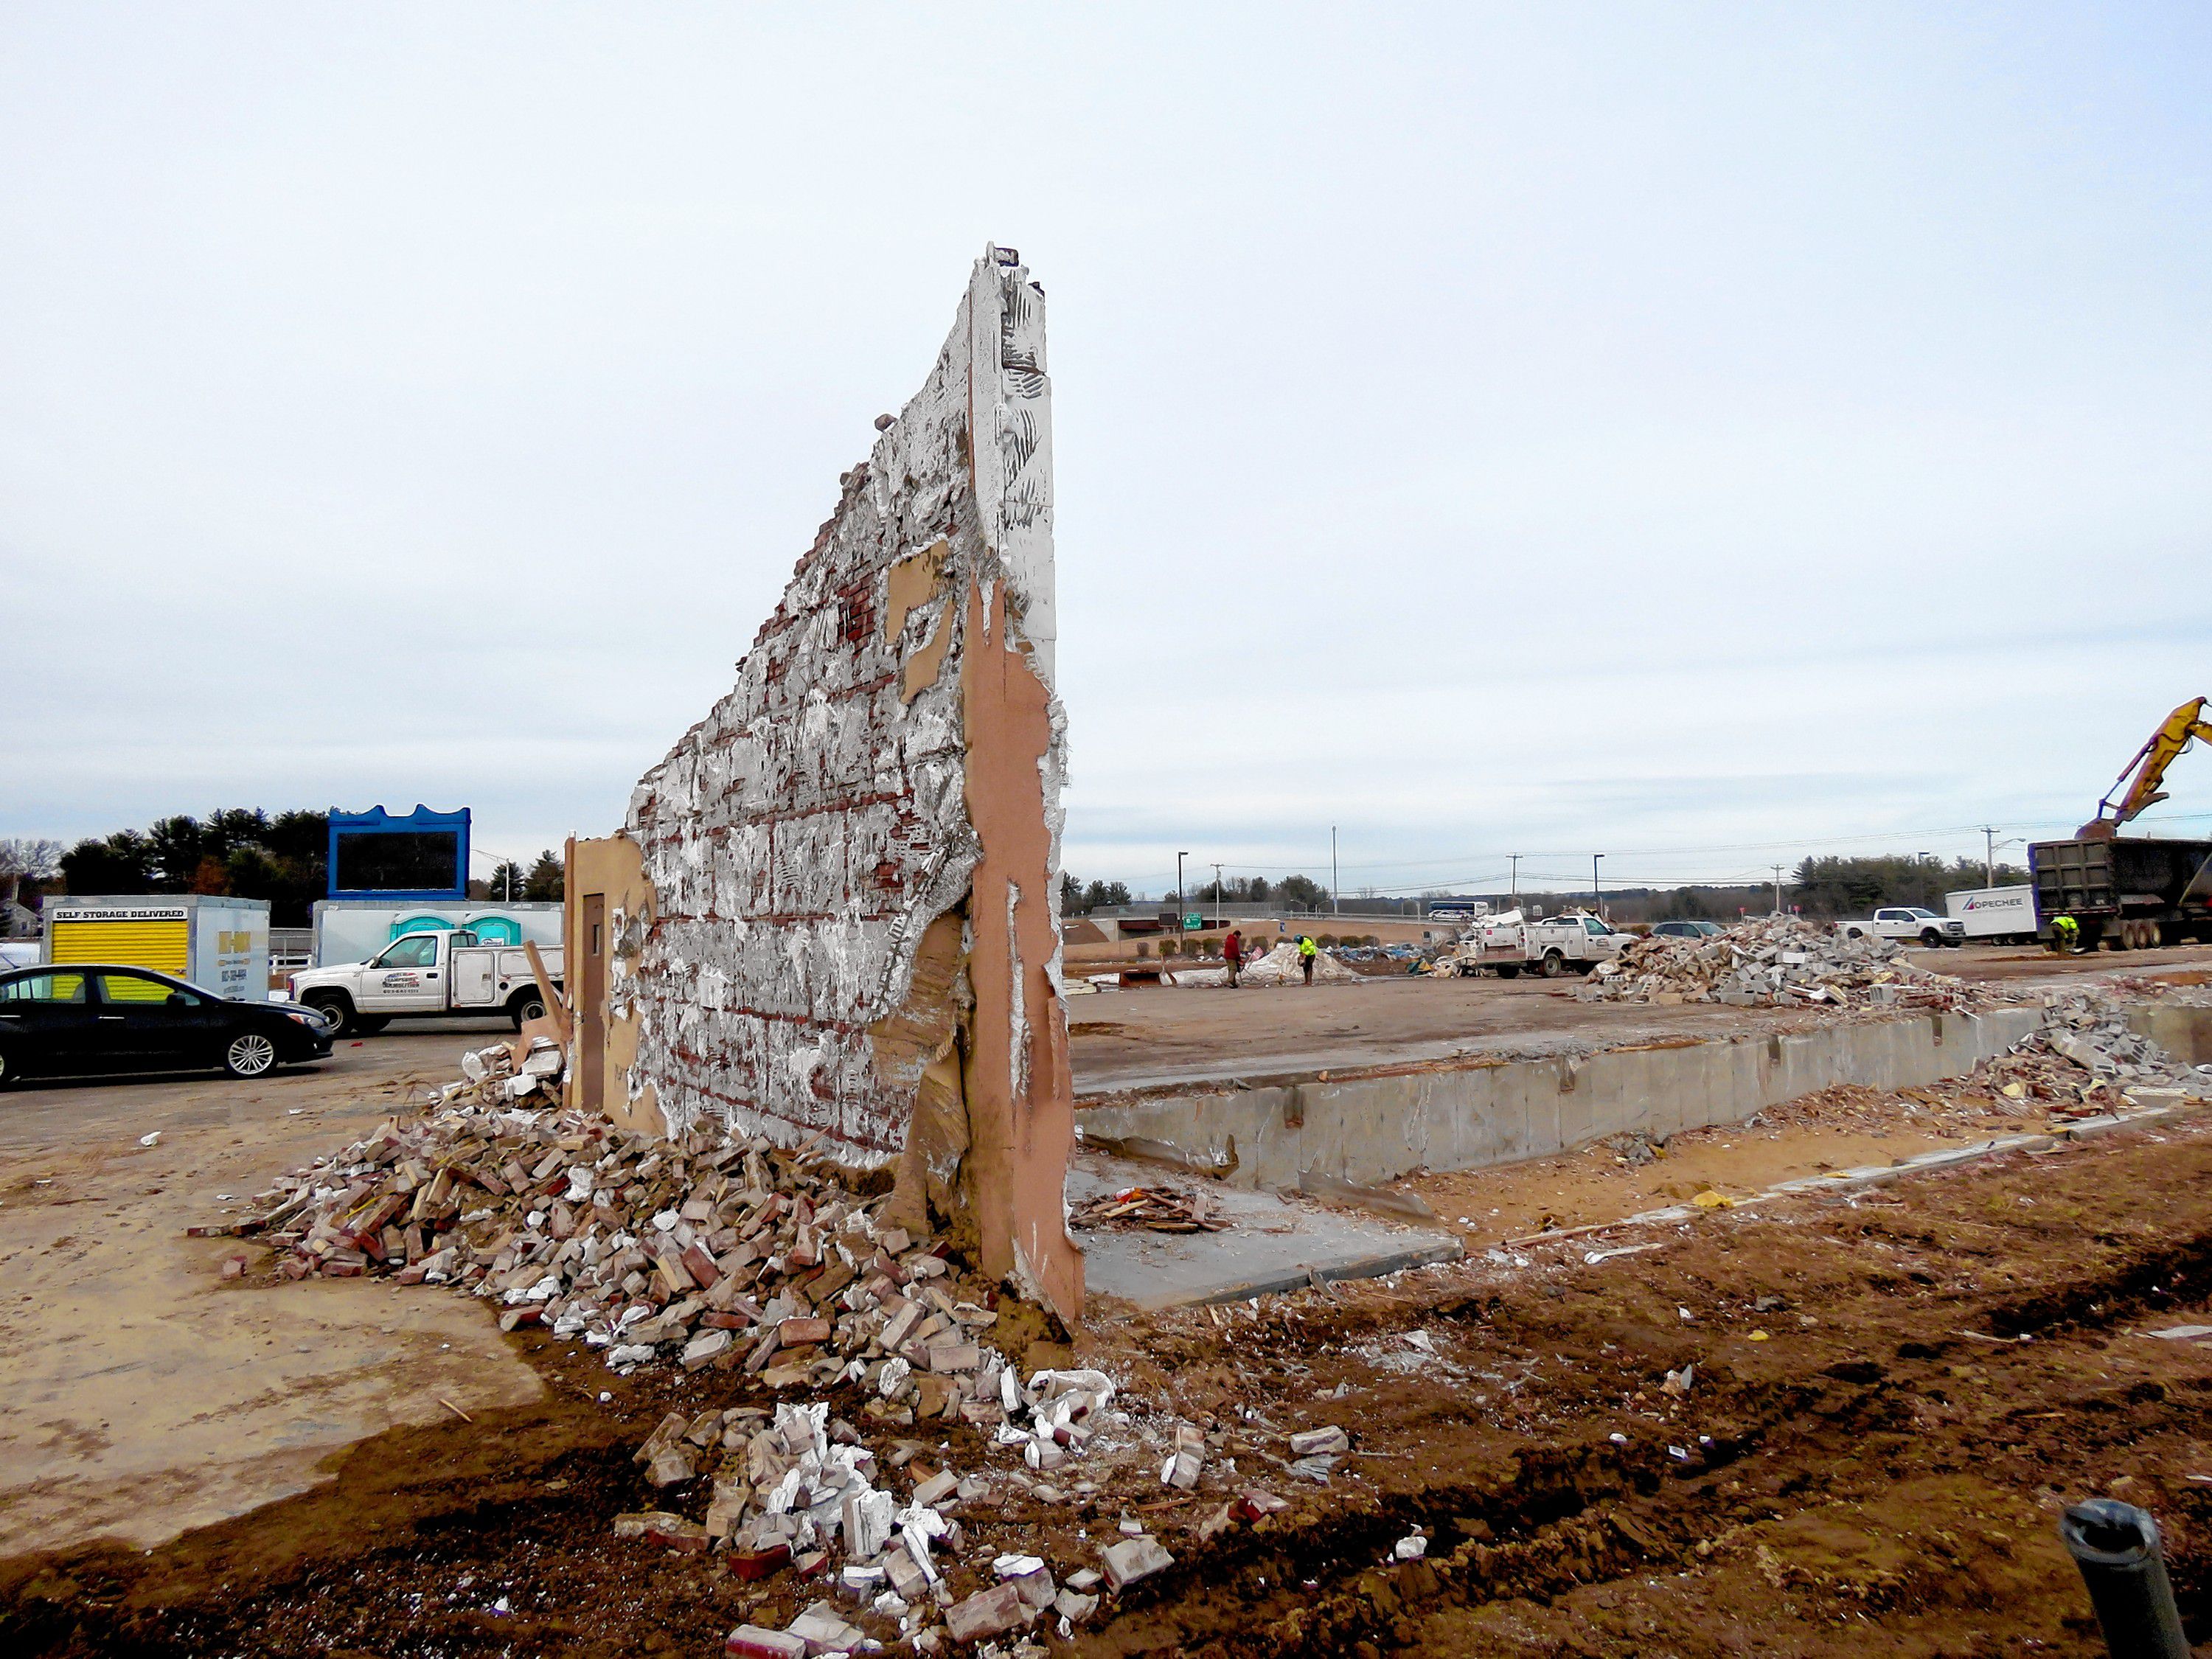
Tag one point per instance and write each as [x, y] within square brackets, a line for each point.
[218, 943]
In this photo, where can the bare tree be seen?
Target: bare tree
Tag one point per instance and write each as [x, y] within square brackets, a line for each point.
[24, 858]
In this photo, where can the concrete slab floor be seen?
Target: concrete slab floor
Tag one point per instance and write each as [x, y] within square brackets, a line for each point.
[1273, 1244]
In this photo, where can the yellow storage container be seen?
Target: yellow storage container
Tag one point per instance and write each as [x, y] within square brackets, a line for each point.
[165, 946]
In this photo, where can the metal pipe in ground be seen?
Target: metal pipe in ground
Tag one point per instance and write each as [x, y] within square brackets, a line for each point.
[2116, 1545]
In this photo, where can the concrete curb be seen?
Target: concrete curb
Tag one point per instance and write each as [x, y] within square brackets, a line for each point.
[1303, 1278]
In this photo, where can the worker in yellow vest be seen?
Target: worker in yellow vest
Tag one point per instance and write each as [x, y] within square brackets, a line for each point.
[2066, 936]
[1307, 951]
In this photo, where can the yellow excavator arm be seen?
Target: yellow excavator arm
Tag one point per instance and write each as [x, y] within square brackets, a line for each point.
[2137, 785]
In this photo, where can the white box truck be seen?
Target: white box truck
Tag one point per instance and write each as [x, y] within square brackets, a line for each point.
[1998, 915]
[353, 930]
[215, 942]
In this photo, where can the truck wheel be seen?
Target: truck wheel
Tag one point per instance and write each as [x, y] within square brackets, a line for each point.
[337, 1007]
[1553, 966]
[1508, 973]
[1930, 938]
[525, 1004]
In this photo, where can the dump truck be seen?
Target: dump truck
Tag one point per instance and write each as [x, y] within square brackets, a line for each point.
[2124, 892]
[2131, 893]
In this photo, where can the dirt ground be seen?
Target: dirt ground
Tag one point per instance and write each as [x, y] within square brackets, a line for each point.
[1891, 1395]
[1142, 1038]
[147, 1393]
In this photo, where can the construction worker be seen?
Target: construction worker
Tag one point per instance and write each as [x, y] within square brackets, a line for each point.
[1232, 954]
[1307, 951]
[2066, 936]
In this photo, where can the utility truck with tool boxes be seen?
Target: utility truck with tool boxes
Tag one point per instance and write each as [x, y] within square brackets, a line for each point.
[435, 974]
[1504, 945]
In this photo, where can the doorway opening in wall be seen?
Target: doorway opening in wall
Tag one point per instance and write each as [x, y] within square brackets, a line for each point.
[592, 1006]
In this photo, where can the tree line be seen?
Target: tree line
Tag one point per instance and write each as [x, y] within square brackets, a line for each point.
[241, 852]
[1833, 887]
[1291, 893]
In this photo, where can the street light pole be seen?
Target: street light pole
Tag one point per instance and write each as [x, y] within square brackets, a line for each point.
[1597, 898]
[1182, 899]
[1335, 880]
[1989, 856]
[1778, 890]
[1516, 857]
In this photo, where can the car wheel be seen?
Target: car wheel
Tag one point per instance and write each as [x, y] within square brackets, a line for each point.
[1554, 964]
[250, 1054]
[337, 1010]
[8, 1072]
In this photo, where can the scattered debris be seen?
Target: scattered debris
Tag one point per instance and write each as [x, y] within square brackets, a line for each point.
[1153, 1209]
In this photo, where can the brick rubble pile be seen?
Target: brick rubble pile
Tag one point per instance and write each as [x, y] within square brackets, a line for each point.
[1779, 961]
[702, 1251]
[742, 1257]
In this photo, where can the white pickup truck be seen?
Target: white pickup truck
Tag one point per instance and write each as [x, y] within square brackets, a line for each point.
[1904, 921]
[427, 975]
[1505, 944]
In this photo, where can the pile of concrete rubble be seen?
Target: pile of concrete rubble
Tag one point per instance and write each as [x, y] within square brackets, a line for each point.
[1781, 960]
[2083, 1058]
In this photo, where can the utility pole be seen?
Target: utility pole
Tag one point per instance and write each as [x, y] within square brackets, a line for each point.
[1597, 898]
[1778, 890]
[1335, 881]
[1182, 899]
[1219, 897]
[1516, 857]
[1989, 856]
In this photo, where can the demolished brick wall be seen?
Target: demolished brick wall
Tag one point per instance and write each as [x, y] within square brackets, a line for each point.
[854, 861]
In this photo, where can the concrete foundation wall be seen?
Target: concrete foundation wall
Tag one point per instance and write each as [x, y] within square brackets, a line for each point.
[1371, 1129]
[2184, 1033]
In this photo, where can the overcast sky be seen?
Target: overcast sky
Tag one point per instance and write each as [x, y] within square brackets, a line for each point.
[1698, 434]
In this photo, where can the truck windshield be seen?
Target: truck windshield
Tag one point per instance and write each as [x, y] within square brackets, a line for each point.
[1919, 914]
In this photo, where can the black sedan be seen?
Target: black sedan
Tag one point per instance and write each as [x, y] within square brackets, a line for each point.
[97, 1017]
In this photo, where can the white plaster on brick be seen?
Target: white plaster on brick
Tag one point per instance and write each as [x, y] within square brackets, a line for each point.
[801, 836]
